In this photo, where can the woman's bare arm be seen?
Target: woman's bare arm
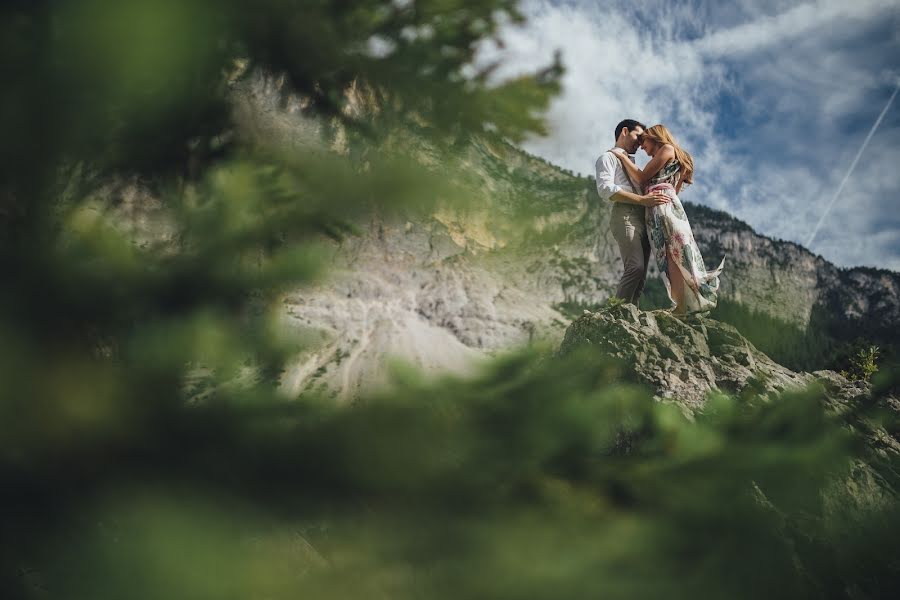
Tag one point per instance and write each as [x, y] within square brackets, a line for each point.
[643, 176]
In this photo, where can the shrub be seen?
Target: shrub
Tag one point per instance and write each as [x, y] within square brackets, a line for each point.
[863, 364]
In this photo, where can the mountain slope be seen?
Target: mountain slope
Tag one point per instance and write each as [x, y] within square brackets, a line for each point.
[443, 290]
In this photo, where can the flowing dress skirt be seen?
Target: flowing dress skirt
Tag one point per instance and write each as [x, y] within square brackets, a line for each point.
[669, 231]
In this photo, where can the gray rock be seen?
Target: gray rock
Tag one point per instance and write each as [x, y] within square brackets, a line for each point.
[684, 360]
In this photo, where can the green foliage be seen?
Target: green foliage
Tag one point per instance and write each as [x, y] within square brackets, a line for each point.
[535, 478]
[574, 309]
[800, 349]
[863, 363]
[855, 333]
[613, 301]
[655, 296]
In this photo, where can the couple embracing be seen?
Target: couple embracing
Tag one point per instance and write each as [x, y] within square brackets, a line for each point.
[647, 215]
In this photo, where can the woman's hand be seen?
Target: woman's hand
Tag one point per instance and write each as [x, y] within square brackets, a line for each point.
[655, 198]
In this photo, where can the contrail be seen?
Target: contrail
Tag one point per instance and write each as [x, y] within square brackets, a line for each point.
[853, 165]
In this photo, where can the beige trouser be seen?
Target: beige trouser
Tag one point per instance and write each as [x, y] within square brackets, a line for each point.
[629, 229]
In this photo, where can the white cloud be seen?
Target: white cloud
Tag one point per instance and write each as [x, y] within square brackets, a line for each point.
[805, 19]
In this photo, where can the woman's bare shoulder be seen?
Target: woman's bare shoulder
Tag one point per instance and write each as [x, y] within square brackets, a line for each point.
[667, 151]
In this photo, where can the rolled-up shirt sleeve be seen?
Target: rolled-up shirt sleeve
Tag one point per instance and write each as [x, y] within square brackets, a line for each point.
[606, 171]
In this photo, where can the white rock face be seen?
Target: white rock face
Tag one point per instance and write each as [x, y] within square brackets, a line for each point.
[393, 297]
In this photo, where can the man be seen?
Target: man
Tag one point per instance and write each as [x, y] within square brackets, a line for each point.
[627, 218]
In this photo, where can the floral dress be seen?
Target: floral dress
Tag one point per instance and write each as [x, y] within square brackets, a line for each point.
[669, 230]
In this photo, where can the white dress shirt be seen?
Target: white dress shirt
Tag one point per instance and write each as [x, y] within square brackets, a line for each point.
[611, 176]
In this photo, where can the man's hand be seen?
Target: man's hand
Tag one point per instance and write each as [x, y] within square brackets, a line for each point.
[655, 198]
[621, 155]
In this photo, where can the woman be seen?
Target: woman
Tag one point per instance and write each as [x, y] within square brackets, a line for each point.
[691, 287]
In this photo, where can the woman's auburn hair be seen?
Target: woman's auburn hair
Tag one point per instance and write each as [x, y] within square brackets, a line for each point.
[661, 135]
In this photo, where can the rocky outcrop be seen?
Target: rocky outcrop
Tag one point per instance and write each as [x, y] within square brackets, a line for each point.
[685, 359]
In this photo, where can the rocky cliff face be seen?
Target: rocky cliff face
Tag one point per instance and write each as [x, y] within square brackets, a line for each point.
[788, 281]
[445, 290]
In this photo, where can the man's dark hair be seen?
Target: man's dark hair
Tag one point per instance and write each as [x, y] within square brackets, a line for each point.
[630, 124]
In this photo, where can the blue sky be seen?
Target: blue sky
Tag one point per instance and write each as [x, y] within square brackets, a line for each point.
[773, 98]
